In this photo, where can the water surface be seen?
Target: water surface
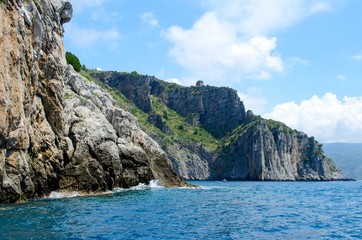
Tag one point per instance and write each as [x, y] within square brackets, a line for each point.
[218, 210]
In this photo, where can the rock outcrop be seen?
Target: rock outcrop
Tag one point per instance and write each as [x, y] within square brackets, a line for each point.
[58, 131]
[218, 110]
[249, 147]
[109, 148]
[268, 150]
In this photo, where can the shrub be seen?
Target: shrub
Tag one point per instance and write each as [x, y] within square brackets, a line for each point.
[165, 114]
[134, 73]
[73, 60]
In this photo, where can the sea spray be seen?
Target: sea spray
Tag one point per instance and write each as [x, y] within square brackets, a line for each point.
[154, 184]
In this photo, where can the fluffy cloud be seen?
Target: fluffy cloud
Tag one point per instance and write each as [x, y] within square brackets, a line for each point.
[212, 50]
[328, 118]
[149, 19]
[230, 41]
[253, 100]
[86, 38]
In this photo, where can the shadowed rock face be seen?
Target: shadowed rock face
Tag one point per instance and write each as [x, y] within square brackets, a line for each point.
[265, 151]
[57, 131]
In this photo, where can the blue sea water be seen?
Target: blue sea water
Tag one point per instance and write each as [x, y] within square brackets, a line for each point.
[218, 210]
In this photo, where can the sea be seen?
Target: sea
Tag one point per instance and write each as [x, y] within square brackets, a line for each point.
[215, 210]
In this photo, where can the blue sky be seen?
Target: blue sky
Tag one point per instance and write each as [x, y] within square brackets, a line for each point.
[297, 61]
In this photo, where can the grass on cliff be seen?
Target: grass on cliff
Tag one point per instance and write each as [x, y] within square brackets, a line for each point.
[181, 131]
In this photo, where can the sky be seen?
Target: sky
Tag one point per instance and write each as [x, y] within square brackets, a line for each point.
[295, 61]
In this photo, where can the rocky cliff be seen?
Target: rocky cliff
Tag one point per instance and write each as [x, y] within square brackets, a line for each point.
[268, 150]
[218, 110]
[58, 131]
[241, 146]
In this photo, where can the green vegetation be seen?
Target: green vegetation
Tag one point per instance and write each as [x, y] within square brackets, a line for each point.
[86, 75]
[134, 74]
[272, 124]
[73, 60]
[180, 129]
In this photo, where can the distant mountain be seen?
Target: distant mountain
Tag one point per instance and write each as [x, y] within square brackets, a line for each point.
[348, 156]
[207, 133]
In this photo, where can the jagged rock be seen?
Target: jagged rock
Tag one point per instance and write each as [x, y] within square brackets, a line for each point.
[111, 140]
[58, 131]
[266, 150]
[64, 10]
[199, 83]
[249, 117]
[135, 87]
[30, 89]
[220, 109]
[191, 161]
[66, 13]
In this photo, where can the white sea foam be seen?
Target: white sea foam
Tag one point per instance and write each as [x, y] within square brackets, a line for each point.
[154, 184]
[56, 194]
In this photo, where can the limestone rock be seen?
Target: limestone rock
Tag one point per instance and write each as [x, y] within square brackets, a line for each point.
[31, 111]
[267, 150]
[219, 109]
[157, 120]
[57, 130]
[250, 147]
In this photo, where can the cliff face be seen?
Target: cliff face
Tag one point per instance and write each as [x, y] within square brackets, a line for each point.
[267, 150]
[247, 147]
[218, 110]
[31, 116]
[57, 131]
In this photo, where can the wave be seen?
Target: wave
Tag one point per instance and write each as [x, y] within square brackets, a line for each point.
[56, 194]
[154, 184]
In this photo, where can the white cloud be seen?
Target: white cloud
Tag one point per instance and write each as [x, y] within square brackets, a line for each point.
[231, 41]
[150, 19]
[292, 61]
[212, 50]
[328, 118]
[259, 17]
[174, 80]
[357, 57]
[87, 37]
[253, 100]
[342, 77]
[320, 7]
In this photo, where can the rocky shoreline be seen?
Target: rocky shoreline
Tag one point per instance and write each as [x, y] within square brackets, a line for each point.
[59, 131]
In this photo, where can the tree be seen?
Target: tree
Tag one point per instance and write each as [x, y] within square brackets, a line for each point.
[73, 60]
